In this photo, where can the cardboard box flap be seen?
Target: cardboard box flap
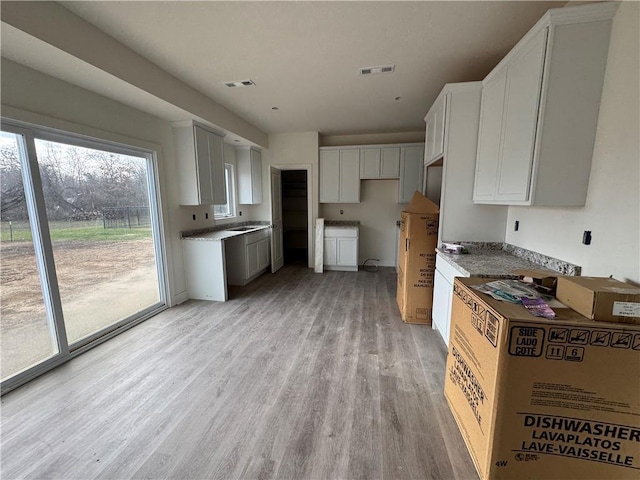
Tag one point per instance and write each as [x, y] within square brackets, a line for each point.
[421, 204]
[535, 274]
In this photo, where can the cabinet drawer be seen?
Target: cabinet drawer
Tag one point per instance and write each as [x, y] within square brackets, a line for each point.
[256, 236]
[447, 270]
[351, 232]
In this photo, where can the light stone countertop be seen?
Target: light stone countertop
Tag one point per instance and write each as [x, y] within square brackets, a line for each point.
[490, 263]
[219, 235]
[341, 223]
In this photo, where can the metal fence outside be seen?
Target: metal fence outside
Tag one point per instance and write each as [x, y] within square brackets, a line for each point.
[126, 217]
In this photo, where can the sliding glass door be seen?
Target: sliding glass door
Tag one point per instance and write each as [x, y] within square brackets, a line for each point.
[99, 258]
[98, 208]
[27, 337]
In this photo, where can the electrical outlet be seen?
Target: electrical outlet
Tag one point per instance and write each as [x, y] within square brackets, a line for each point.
[586, 237]
[239, 214]
[341, 212]
[206, 216]
[194, 216]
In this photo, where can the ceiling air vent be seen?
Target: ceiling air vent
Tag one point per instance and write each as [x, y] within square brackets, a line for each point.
[241, 83]
[380, 69]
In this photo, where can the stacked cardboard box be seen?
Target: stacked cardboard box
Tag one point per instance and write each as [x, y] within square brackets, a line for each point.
[602, 299]
[417, 259]
[538, 398]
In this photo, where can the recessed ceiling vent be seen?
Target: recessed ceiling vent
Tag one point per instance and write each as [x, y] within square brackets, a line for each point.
[241, 83]
[380, 69]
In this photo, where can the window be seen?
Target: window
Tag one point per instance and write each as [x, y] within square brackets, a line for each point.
[228, 210]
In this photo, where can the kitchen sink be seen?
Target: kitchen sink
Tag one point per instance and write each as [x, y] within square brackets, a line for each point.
[241, 229]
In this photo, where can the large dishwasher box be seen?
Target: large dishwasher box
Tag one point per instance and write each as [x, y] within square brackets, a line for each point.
[543, 399]
[417, 259]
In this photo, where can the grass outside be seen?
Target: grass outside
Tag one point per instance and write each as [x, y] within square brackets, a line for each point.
[64, 231]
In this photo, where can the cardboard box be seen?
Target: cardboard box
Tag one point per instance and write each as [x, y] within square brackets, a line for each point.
[602, 299]
[417, 259]
[538, 398]
[543, 278]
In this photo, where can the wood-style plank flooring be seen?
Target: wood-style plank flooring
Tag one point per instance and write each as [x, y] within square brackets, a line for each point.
[298, 376]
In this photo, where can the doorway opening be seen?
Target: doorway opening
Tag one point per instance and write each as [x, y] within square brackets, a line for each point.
[295, 213]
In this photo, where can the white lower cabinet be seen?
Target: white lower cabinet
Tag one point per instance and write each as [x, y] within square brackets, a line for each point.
[443, 295]
[247, 256]
[341, 248]
[257, 257]
[204, 263]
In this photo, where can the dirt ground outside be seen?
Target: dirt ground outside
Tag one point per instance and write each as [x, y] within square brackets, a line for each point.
[101, 282]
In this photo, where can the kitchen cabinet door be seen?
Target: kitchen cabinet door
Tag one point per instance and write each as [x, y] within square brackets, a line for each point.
[429, 136]
[390, 162]
[442, 296]
[490, 135]
[411, 168]
[437, 120]
[330, 251]
[349, 176]
[520, 118]
[369, 163]
[263, 254]
[330, 176]
[347, 252]
[249, 176]
[204, 169]
[200, 158]
[252, 259]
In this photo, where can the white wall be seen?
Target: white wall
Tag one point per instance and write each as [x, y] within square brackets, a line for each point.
[378, 212]
[612, 210]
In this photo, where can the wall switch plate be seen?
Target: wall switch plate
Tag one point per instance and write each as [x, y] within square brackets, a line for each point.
[516, 226]
[206, 216]
[586, 237]
[194, 216]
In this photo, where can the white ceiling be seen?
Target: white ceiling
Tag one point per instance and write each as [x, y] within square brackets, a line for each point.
[304, 56]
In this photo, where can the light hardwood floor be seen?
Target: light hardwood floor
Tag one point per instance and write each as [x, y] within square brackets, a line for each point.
[299, 376]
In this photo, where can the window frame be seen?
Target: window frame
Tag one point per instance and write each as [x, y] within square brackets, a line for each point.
[232, 207]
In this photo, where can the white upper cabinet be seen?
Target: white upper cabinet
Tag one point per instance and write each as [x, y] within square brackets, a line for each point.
[200, 159]
[411, 168]
[540, 109]
[449, 182]
[435, 120]
[349, 176]
[340, 175]
[379, 162]
[342, 168]
[390, 162]
[369, 163]
[249, 175]
[489, 135]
